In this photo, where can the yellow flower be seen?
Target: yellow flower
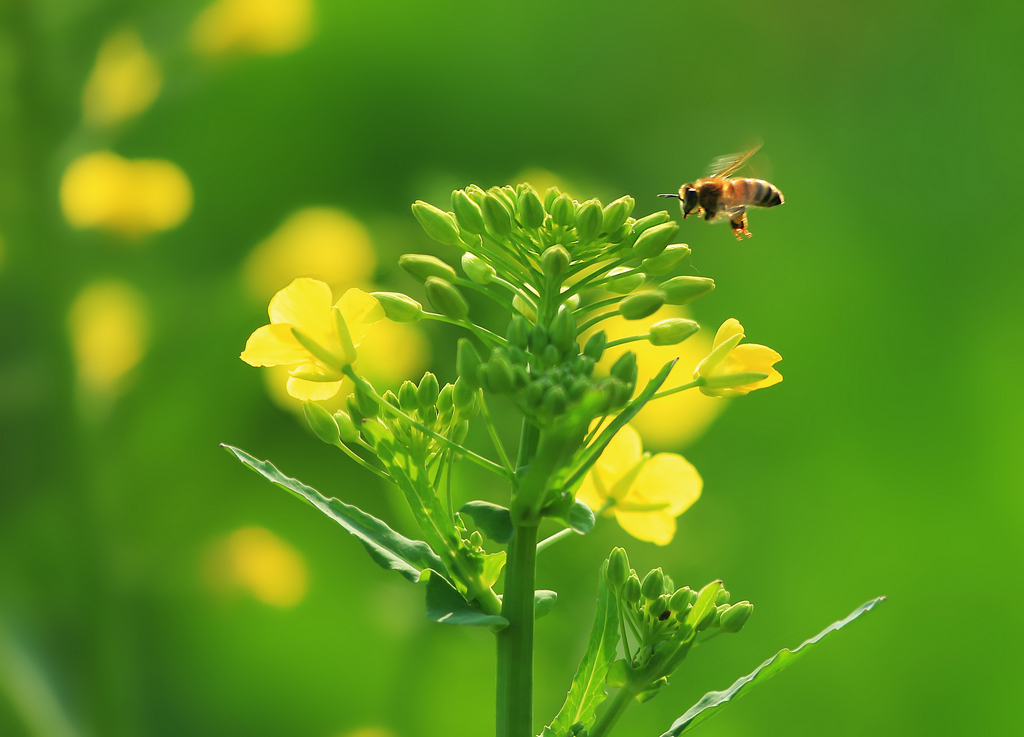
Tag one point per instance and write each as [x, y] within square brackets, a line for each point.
[109, 331]
[103, 190]
[312, 338]
[645, 493]
[730, 359]
[678, 419]
[319, 242]
[252, 26]
[124, 81]
[256, 560]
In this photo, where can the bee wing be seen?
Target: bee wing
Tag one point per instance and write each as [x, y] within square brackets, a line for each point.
[723, 166]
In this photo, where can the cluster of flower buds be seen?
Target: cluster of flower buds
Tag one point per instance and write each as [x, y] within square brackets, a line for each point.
[665, 622]
[557, 260]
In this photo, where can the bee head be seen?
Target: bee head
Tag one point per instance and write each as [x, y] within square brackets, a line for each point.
[688, 199]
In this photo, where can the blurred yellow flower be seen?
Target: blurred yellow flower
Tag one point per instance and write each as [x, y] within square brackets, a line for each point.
[252, 26]
[133, 198]
[312, 339]
[109, 332]
[369, 732]
[678, 419]
[645, 493]
[319, 242]
[124, 81]
[728, 359]
[258, 561]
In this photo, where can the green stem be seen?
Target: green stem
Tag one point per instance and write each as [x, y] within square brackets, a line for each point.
[612, 712]
[677, 389]
[515, 642]
[483, 333]
[552, 539]
[514, 697]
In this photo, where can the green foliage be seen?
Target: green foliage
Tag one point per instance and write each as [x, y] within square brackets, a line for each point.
[387, 548]
[493, 520]
[588, 688]
[712, 702]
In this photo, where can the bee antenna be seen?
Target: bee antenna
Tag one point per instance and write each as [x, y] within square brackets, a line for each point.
[671, 195]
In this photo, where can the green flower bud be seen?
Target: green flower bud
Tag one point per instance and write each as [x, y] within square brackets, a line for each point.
[467, 362]
[555, 400]
[681, 290]
[498, 371]
[618, 568]
[583, 365]
[625, 369]
[623, 280]
[352, 405]
[421, 267]
[496, 214]
[562, 210]
[428, 390]
[667, 260]
[620, 392]
[594, 348]
[554, 262]
[578, 388]
[444, 399]
[659, 607]
[468, 214]
[538, 339]
[519, 377]
[347, 429]
[407, 398]
[524, 308]
[476, 194]
[656, 218]
[563, 330]
[322, 423]
[719, 611]
[682, 614]
[551, 355]
[589, 219]
[531, 209]
[366, 402]
[476, 540]
[654, 240]
[438, 224]
[737, 616]
[399, 307]
[671, 331]
[615, 214]
[640, 305]
[460, 431]
[654, 584]
[464, 395]
[477, 269]
[722, 598]
[550, 196]
[680, 599]
[518, 332]
[446, 298]
[535, 393]
[631, 590]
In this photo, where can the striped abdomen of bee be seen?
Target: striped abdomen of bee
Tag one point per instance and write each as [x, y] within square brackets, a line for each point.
[747, 192]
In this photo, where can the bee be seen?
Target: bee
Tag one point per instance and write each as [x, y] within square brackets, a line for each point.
[716, 196]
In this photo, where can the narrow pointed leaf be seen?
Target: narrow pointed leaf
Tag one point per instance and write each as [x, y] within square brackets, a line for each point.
[445, 604]
[387, 548]
[708, 706]
[494, 521]
[588, 686]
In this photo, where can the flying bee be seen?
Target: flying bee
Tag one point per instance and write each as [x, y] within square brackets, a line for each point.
[716, 196]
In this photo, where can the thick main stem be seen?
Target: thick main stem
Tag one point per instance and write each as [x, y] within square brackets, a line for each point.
[612, 712]
[514, 699]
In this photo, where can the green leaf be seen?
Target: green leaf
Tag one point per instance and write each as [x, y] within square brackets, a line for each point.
[572, 513]
[445, 604]
[581, 518]
[494, 521]
[387, 548]
[588, 686]
[706, 707]
[596, 448]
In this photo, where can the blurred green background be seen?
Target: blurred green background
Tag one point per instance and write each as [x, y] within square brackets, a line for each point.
[888, 462]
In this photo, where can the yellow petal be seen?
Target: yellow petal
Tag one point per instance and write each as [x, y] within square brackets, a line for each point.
[667, 477]
[729, 329]
[751, 358]
[590, 494]
[312, 391]
[360, 311]
[305, 304]
[621, 455]
[273, 345]
[653, 527]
